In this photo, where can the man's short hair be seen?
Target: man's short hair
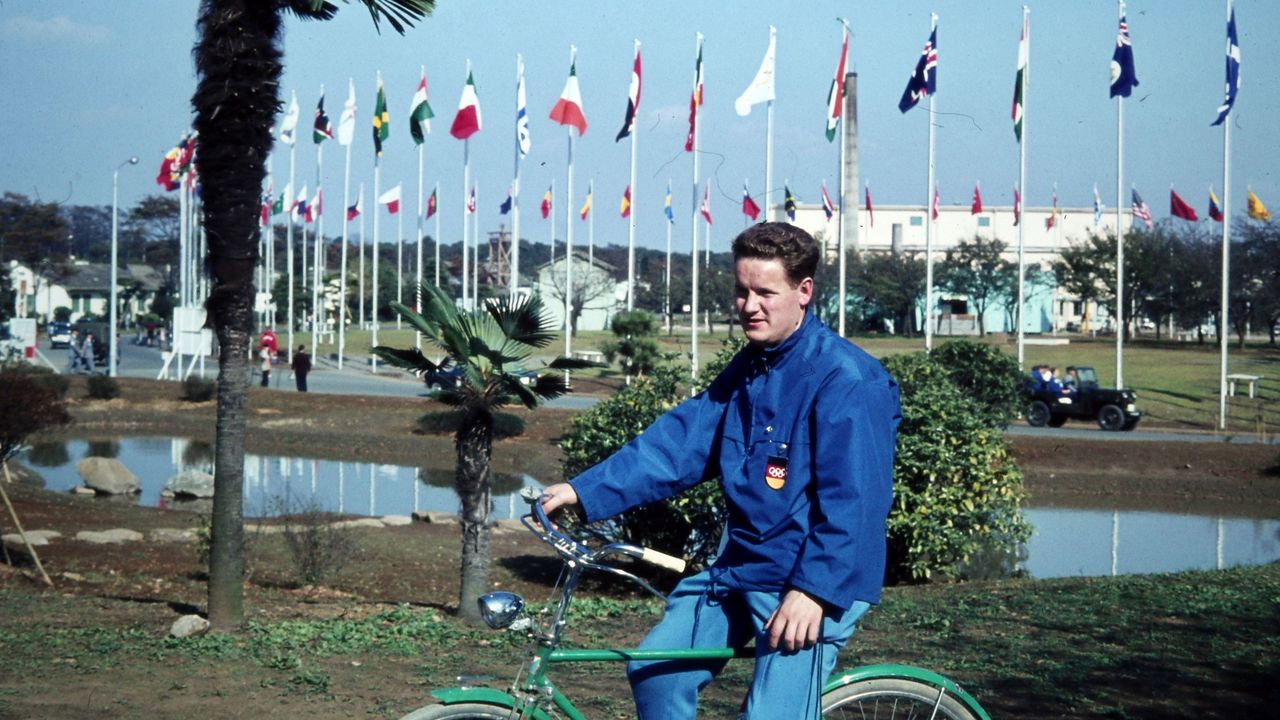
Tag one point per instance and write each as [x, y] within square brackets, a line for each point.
[794, 247]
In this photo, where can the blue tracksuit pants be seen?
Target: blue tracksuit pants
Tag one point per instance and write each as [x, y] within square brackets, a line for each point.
[702, 612]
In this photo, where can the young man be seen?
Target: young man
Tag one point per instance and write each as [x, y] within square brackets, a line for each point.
[801, 428]
[301, 366]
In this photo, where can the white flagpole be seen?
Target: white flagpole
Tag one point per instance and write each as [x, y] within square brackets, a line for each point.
[264, 252]
[666, 303]
[840, 220]
[513, 282]
[288, 237]
[929, 222]
[417, 286]
[552, 215]
[1120, 234]
[437, 237]
[475, 257]
[317, 256]
[1223, 331]
[360, 289]
[303, 268]
[342, 273]
[466, 213]
[768, 150]
[631, 219]
[377, 238]
[568, 256]
[1022, 189]
[399, 262]
[591, 224]
[693, 256]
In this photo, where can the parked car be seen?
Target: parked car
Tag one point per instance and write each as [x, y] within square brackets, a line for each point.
[451, 377]
[59, 334]
[1053, 405]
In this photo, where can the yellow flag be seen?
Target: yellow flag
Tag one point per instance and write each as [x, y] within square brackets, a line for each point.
[1257, 210]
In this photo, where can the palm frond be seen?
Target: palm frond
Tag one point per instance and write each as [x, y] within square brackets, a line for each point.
[312, 9]
[419, 323]
[408, 358]
[565, 363]
[524, 321]
[550, 386]
[399, 13]
[512, 387]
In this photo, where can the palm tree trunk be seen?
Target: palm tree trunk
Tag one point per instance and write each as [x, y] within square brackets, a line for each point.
[238, 64]
[474, 444]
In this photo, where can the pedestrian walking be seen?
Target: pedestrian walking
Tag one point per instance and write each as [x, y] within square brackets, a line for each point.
[301, 366]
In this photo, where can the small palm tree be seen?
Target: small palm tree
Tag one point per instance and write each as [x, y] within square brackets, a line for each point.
[493, 348]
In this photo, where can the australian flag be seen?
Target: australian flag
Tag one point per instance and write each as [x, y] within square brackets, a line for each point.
[924, 81]
[1123, 77]
[1233, 70]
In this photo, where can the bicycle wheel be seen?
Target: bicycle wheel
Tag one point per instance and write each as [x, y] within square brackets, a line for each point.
[463, 711]
[891, 699]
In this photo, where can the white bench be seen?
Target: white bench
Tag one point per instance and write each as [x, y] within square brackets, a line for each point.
[1234, 378]
[589, 355]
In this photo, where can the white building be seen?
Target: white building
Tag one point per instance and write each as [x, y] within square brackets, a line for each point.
[597, 296]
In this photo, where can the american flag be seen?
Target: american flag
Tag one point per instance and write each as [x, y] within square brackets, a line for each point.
[1140, 210]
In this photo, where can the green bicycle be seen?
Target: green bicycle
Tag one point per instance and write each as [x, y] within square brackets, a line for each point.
[883, 692]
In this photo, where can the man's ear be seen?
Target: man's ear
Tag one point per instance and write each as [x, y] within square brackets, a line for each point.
[805, 288]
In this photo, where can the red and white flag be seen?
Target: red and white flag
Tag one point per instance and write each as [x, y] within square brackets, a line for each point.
[316, 206]
[391, 199]
[705, 207]
[828, 207]
[749, 206]
[467, 122]
[977, 200]
[356, 210]
[471, 201]
[934, 209]
[568, 109]
[871, 218]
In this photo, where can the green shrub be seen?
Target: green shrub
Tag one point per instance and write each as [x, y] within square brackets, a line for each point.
[29, 406]
[446, 422]
[102, 387]
[42, 376]
[198, 389]
[636, 346]
[988, 375]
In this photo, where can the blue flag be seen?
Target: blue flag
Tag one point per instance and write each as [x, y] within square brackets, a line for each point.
[924, 81]
[505, 207]
[1123, 77]
[1233, 70]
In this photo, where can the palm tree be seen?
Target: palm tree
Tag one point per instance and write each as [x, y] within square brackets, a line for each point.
[493, 348]
[239, 61]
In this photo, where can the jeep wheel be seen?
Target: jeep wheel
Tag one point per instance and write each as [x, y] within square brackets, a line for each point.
[1038, 414]
[1111, 417]
[1057, 421]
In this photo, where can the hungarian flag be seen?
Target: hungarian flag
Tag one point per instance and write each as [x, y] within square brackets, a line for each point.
[789, 202]
[976, 207]
[705, 207]
[381, 119]
[1017, 206]
[432, 203]
[586, 206]
[828, 207]
[625, 208]
[289, 126]
[467, 122]
[546, 204]
[749, 206]
[1215, 210]
[347, 121]
[695, 99]
[568, 109]
[420, 111]
[871, 218]
[1256, 209]
[1020, 82]
[391, 199]
[1140, 209]
[633, 100]
[1123, 77]
[355, 211]
[322, 129]
[835, 95]
[471, 201]
[924, 80]
[1179, 207]
[666, 205]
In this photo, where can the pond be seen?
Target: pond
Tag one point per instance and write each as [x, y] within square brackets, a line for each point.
[1068, 542]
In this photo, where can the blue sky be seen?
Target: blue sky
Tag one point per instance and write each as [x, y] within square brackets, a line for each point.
[90, 83]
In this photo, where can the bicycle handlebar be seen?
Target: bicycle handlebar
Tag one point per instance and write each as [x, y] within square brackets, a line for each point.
[574, 550]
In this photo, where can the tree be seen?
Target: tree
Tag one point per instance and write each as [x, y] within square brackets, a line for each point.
[636, 346]
[892, 284]
[977, 269]
[32, 231]
[1076, 271]
[588, 285]
[90, 230]
[150, 232]
[239, 62]
[493, 348]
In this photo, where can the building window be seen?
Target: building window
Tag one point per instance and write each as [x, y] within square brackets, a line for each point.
[984, 222]
[917, 221]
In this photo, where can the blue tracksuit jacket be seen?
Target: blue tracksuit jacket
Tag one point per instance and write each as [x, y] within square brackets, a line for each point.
[802, 435]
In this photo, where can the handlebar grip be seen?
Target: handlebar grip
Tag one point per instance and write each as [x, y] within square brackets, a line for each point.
[663, 560]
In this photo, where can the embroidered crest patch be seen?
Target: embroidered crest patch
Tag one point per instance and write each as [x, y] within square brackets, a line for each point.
[775, 472]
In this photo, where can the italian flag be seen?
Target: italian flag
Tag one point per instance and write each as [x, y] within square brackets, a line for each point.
[568, 109]
[420, 113]
[1020, 83]
[467, 122]
[835, 96]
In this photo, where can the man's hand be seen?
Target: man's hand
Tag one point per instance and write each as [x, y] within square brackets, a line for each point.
[796, 622]
[558, 496]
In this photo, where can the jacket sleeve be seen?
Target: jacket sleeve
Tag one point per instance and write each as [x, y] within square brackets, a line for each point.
[854, 429]
[673, 454]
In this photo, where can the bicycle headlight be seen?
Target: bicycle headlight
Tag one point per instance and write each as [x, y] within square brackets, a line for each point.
[500, 609]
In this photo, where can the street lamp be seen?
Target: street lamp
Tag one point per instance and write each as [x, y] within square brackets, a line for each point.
[113, 357]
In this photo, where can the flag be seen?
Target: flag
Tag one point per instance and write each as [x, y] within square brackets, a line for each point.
[347, 122]
[828, 207]
[1179, 207]
[315, 207]
[166, 176]
[1097, 205]
[789, 202]
[381, 119]
[505, 207]
[432, 203]
[278, 206]
[705, 207]
[835, 95]
[976, 207]
[1123, 78]
[933, 210]
[1215, 210]
[1256, 209]
[586, 206]
[871, 218]
[1050, 221]
[666, 205]
[695, 99]
[568, 109]
[761, 88]
[322, 129]
[625, 208]
[289, 126]
[1233, 70]
[1020, 82]
[749, 206]
[1140, 209]
[299, 205]
[546, 204]
[524, 140]
[1017, 206]
[633, 99]
[924, 80]
[391, 199]
[471, 201]
[467, 122]
[355, 211]
[265, 218]
[420, 113]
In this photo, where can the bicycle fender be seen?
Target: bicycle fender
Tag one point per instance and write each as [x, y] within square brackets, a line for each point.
[453, 696]
[871, 672]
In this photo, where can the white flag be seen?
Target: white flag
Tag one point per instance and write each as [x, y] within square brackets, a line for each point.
[761, 88]
[347, 123]
[289, 128]
[391, 199]
[522, 115]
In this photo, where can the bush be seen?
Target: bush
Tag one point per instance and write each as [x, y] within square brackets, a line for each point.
[102, 387]
[198, 389]
[319, 548]
[446, 422]
[987, 374]
[42, 376]
[29, 406]
[636, 344]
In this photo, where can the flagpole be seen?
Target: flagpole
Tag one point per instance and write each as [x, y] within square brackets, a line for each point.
[1022, 189]
[568, 256]
[513, 281]
[840, 241]
[768, 151]
[666, 302]
[417, 287]
[631, 219]
[318, 251]
[342, 273]
[436, 240]
[693, 306]
[264, 317]
[360, 289]
[399, 263]
[591, 224]
[288, 235]
[475, 252]
[1226, 257]
[1120, 232]
[930, 220]
[377, 238]
[552, 215]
